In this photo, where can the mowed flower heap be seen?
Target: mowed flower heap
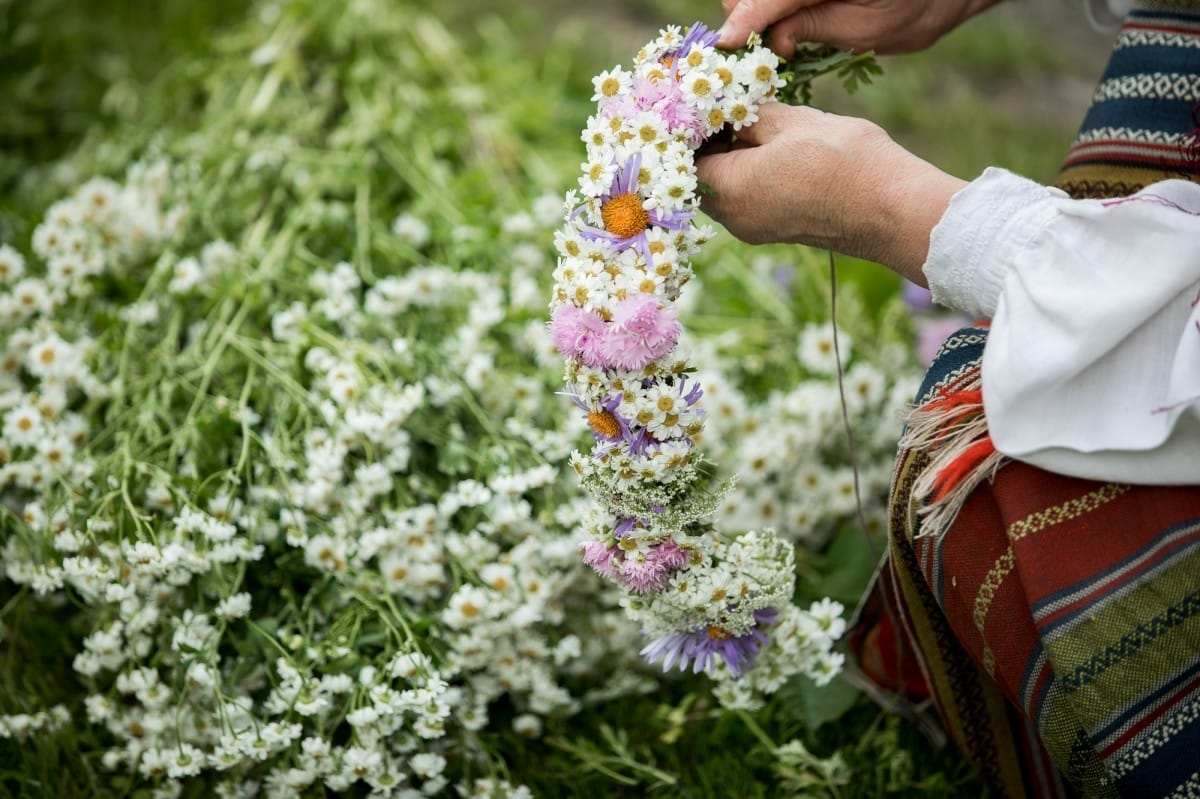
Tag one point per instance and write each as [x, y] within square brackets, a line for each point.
[717, 602]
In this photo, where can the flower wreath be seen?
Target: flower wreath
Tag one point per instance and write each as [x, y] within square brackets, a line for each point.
[720, 603]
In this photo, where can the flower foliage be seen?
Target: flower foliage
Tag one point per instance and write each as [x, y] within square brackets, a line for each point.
[282, 496]
[281, 447]
[718, 603]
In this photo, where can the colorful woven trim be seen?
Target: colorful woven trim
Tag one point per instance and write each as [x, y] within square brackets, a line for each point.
[1142, 123]
[1055, 622]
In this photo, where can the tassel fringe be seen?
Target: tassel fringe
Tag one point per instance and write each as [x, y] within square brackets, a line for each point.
[953, 430]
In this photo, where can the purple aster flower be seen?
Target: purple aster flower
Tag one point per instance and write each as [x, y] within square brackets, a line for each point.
[624, 526]
[609, 427]
[703, 646]
[698, 35]
[624, 215]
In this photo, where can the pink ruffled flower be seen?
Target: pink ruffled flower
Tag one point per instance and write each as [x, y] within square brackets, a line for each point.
[664, 98]
[640, 333]
[670, 554]
[643, 574]
[600, 557]
[577, 333]
[651, 572]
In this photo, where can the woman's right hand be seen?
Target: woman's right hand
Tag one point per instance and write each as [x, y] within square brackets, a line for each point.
[884, 26]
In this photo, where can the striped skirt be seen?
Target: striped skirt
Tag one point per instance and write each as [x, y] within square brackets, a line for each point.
[1047, 625]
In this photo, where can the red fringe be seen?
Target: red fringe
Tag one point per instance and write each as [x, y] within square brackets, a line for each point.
[967, 402]
[958, 469]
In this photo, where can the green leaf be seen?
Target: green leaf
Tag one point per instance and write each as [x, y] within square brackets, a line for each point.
[845, 566]
[825, 703]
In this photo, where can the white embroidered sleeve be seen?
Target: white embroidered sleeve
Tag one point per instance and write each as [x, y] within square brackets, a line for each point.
[1092, 366]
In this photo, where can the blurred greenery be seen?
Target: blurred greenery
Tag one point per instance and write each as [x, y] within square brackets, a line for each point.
[59, 57]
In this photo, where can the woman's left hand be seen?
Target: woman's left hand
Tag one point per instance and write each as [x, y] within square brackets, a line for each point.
[804, 176]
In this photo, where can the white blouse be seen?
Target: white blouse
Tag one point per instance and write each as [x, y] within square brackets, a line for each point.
[1092, 365]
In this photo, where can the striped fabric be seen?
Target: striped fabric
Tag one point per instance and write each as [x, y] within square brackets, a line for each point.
[1052, 624]
[1143, 110]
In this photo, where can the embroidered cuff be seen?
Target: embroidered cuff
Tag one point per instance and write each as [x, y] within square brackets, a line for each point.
[969, 249]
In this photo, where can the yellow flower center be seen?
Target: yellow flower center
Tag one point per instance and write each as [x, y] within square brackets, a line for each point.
[604, 423]
[624, 215]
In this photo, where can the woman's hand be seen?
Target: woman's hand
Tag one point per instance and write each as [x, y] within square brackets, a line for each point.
[885, 26]
[803, 176]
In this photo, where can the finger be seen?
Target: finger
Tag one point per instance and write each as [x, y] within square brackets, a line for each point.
[774, 119]
[726, 202]
[711, 171]
[728, 5]
[753, 16]
[766, 127]
[826, 23]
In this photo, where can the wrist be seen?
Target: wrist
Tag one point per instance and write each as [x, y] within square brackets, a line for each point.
[908, 204]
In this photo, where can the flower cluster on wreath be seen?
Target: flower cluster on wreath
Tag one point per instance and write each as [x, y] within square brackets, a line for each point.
[719, 603]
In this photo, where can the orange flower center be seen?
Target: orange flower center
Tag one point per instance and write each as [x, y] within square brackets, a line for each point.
[624, 216]
[604, 423]
[717, 633]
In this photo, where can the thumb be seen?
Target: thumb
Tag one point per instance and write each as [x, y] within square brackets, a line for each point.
[753, 16]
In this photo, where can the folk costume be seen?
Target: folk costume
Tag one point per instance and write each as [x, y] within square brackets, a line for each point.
[1041, 591]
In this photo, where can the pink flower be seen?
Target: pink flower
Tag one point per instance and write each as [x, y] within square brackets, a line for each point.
[651, 572]
[669, 554]
[577, 332]
[642, 576]
[663, 97]
[600, 557]
[640, 333]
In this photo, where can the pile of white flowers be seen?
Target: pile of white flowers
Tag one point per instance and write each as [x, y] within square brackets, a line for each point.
[283, 471]
[461, 584]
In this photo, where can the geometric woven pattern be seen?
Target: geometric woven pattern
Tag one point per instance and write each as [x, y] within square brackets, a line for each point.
[1056, 621]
